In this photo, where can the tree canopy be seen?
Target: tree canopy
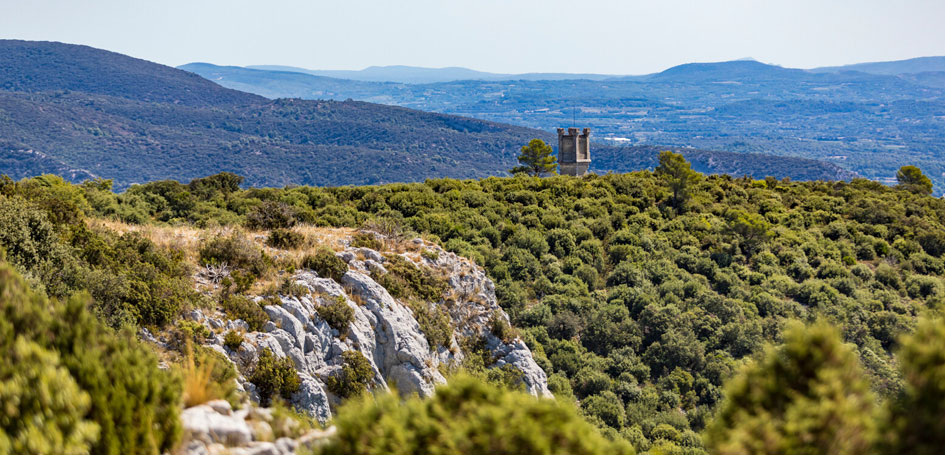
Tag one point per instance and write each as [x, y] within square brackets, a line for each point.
[536, 159]
[912, 178]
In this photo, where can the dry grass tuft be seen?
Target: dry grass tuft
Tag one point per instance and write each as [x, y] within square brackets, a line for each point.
[198, 384]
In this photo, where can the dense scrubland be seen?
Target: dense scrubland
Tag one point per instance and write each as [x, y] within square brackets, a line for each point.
[676, 312]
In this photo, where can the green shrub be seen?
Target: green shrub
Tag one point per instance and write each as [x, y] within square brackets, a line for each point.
[233, 340]
[366, 240]
[434, 322]
[808, 395]
[240, 307]
[46, 411]
[326, 264]
[914, 422]
[337, 313]
[274, 376]
[404, 280]
[236, 251]
[430, 254]
[285, 239]
[271, 215]
[499, 326]
[469, 417]
[356, 375]
[134, 403]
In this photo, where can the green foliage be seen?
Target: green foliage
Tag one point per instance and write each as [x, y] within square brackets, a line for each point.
[271, 215]
[274, 376]
[45, 411]
[241, 307]
[536, 159]
[807, 396]
[677, 292]
[286, 239]
[337, 313]
[915, 423]
[468, 417]
[678, 175]
[325, 264]
[355, 376]
[499, 326]
[404, 279]
[366, 240]
[434, 322]
[912, 179]
[237, 252]
[134, 403]
[232, 340]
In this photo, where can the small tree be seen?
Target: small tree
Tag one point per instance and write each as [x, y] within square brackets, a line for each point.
[678, 174]
[536, 160]
[912, 179]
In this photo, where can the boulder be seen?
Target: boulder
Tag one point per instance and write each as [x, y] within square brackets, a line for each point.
[205, 424]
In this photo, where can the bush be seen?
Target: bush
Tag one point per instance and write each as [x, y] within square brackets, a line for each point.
[807, 396]
[271, 215]
[233, 340]
[236, 251]
[134, 403]
[46, 411]
[499, 326]
[366, 240]
[326, 264]
[337, 313]
[285, 239]
[915, 423]
[240, 307]
[434, 322]
[356, 375]
[404, 280]
[274, 376]
[469, 417]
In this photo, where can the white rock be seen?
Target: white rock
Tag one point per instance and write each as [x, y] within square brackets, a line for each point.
[312, 399]
[204, 423]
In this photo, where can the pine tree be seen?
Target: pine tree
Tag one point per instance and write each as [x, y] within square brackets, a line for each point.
[536, 159]
[678, 174]
[807, 396]
[912, 179]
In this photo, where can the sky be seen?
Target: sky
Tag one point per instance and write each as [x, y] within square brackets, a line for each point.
[506, 36]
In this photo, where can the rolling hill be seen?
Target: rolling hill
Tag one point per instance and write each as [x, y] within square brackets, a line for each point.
[134, 121]
[870, 124]
[909, 66]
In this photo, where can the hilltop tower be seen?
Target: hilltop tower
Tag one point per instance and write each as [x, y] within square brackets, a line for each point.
[574, 151]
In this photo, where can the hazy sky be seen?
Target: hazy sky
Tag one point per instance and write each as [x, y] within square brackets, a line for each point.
[599, 36]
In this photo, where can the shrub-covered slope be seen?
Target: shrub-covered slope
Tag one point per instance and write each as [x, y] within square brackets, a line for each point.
[639, 302]
[637, 308]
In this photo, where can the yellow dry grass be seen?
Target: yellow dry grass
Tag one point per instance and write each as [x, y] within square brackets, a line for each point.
[188, 240]
[198, 384]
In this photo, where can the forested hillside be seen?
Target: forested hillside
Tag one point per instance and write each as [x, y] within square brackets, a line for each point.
[641, 295]
[83, 113]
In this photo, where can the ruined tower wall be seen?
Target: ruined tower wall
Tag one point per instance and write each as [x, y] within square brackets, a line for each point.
[574, 151]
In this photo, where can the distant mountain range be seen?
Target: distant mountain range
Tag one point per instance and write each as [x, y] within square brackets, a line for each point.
[421, 75]
[866, 123]
[83, 113]
[910, 66]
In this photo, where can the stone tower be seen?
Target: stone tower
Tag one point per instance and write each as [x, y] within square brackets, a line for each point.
[574, 151]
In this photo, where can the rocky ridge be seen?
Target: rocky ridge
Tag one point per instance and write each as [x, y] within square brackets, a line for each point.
[384, 329]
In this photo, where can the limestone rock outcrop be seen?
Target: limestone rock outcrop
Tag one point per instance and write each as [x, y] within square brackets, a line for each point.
[385, 330]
